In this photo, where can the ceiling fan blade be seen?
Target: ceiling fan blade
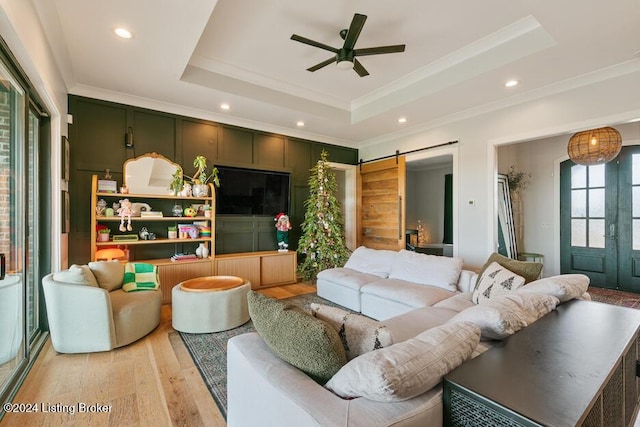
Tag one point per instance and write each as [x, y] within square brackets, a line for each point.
[313, 43]
[358, 68]
[354, 31]
[322, 64]
[379, 50]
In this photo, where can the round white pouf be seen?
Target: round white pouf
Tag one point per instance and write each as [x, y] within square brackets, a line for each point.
[210, 304]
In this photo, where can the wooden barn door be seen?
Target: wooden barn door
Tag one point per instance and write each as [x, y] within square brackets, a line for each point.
[382, 204]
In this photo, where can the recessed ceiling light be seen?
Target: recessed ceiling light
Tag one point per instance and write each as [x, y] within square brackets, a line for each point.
[300, 124]
[123, 32]
[402, 120]
[225, 107]
[511, 83]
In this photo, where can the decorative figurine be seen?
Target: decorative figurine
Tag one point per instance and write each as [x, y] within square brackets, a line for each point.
[282, 234]
[125, 211]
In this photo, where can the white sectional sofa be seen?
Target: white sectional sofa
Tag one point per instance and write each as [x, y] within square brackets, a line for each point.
[415, 296]
[382, 284]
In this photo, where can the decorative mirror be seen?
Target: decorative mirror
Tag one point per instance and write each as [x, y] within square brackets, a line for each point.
[150, 173]
[506, 230]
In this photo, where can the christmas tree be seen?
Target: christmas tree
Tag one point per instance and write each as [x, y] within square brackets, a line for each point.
[322, 240]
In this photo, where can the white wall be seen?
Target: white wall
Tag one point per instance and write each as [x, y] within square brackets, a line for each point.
[609, 101]
[21, 30]
[425, 201]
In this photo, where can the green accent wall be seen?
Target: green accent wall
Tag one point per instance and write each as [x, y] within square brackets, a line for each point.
[97, 141]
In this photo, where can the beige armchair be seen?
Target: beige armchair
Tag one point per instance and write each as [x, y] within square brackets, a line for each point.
[87, 318]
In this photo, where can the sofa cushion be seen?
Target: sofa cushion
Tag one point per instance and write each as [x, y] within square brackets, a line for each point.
[494, 281]
[457, 303]
[347, 277]
[298, 338]
[565, 287]
[108, 273]
[372, 261]
[78, 275]
[359, 334]
[529, 270]
[507, 314]
[414, 322]
[139, 276]
[423, 269]
[407, 293]
[409, 368]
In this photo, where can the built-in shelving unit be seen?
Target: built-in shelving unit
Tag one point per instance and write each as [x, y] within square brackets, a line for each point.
[171, 272]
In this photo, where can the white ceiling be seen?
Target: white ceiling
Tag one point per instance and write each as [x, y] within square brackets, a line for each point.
[189, 57]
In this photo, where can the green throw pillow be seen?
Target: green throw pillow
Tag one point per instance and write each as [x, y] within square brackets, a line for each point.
[299, 339]
[139, 276]
[529, 270]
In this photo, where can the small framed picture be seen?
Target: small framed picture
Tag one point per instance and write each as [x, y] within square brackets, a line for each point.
[65, 158]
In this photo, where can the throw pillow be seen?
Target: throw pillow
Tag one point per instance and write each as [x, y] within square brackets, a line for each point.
[423, 269]
[108, 273]
[495, 281]
[78, 275]
[565, 287]
[505, 315]
[372, 261]
[407, 369]
[298, 338]
[140, 276]
[359, 334]
[529, 270]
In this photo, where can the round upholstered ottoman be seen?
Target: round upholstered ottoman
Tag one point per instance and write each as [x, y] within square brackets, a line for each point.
[210, 304]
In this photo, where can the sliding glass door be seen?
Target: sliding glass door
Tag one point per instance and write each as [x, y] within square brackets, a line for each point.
[21, 131]
[13, 204]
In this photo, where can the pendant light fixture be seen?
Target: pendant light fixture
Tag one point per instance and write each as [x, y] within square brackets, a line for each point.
[595, 146]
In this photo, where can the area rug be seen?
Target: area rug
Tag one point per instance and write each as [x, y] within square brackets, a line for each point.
[611, 296]
[209, 351]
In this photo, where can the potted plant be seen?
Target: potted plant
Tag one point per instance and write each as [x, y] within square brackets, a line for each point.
[172, 232]
[103, 235]
[177, 182]
[200, 179]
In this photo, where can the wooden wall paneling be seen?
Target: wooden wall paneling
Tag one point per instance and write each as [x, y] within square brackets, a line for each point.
[383, 203]
[336, 154]
[198, 138]
[269, 151]
[234, 234]
[298, 160]
[299, 195]
[154, 132]
[236, 146]
[97, 135]
[266, 233]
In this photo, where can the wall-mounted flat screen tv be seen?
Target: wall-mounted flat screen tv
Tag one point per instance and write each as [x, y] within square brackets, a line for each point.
[251, 192]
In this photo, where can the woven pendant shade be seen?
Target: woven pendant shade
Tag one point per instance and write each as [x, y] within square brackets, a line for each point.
[595, 146]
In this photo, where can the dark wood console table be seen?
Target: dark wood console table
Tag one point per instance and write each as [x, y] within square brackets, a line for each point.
[576, 366]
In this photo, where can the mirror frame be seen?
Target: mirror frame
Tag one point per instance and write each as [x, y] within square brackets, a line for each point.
[139, 175]
[507, 244]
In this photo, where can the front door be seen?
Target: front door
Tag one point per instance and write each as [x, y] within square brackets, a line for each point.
[600, 221]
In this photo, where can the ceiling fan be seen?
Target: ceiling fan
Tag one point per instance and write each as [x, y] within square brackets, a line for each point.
[345, 57]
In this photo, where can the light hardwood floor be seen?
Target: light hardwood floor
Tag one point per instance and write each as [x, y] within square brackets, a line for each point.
[152, 382]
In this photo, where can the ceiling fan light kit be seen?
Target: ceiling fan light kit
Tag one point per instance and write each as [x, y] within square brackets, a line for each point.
[594, 146]
[345, 57]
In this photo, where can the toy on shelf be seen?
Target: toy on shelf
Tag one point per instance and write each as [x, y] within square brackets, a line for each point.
[125, 211]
